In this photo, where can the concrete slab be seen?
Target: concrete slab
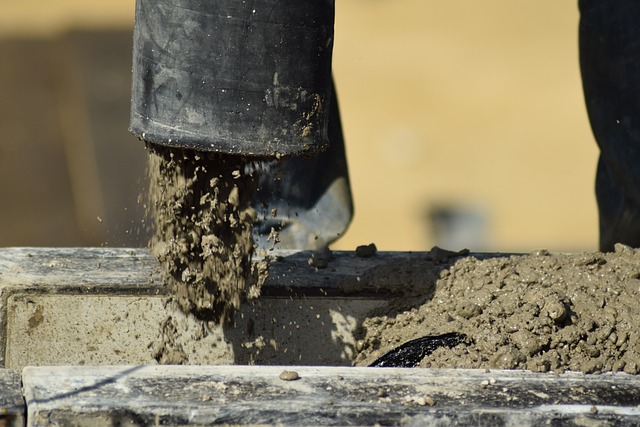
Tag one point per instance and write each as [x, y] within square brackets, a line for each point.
[12, 406]
[257, 395]
[104, 306]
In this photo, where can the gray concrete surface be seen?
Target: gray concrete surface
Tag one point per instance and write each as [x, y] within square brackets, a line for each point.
[99, 306]
[256, 395]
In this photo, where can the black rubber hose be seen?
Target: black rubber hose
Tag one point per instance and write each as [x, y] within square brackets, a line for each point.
[409, 354]
[250, 78]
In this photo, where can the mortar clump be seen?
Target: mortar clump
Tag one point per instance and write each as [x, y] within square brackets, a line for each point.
[201, 210]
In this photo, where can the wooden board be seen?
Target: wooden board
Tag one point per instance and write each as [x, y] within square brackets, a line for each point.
[253, 395]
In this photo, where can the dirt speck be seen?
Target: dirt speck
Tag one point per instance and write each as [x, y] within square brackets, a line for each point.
[320, 259]
[366, 251]
[36, 319]
[289, 376]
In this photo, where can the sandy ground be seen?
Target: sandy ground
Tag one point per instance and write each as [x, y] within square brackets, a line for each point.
[540, 312]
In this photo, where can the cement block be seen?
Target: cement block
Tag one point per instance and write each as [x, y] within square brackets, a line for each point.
[257, 395]
[104, 306]
[45, 302]
[12, 407]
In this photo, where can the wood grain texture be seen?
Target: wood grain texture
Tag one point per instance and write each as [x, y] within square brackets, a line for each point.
[256, 395]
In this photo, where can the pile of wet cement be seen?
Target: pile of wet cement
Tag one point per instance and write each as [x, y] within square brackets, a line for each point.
[540, 312]
[201, 212]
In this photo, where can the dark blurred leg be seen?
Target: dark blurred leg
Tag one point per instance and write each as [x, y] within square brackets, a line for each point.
[610, 65]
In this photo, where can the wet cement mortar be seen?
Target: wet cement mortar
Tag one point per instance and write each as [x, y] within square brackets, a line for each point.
[540, 312]
[200, 207]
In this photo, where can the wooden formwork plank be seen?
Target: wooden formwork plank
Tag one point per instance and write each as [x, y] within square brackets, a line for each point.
[257, 395]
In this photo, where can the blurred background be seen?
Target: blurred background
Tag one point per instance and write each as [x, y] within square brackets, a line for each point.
[464, 122]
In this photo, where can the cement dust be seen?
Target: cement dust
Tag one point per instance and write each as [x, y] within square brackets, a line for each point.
[201, 211]
[540, 312]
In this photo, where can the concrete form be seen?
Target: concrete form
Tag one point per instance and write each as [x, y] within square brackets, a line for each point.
[103, 307]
